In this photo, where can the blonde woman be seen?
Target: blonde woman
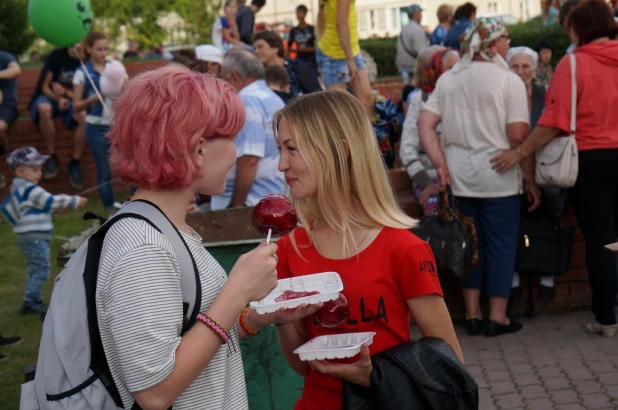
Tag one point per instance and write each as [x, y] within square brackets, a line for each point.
[350, 223]
[431, 63]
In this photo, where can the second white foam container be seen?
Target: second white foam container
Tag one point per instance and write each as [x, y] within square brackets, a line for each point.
[339, 346]
[329, 285]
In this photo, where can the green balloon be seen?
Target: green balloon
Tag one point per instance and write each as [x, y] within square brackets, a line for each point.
[62, 23]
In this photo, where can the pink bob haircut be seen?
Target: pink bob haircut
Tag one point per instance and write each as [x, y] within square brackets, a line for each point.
[159, 119]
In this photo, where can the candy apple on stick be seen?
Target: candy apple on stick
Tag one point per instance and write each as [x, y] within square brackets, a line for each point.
[274, 214]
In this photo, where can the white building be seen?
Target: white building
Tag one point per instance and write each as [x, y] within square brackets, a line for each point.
[386, 17]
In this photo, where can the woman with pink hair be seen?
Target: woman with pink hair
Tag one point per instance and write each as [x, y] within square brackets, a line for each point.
[173, 137]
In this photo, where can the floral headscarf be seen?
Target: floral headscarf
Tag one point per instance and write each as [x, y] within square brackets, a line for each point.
[481, 37]
[433, 70]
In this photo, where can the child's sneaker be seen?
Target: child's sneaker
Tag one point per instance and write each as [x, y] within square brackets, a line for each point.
[605, 330]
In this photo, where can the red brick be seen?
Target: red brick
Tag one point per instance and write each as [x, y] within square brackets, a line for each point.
[579, 288]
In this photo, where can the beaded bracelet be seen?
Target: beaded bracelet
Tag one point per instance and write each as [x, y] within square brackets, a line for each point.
[243, 322]
[214, 327]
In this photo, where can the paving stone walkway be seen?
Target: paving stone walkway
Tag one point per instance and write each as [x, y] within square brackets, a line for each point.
[553, 363]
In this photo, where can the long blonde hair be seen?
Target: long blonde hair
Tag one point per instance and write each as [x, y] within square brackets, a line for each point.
[334, 136]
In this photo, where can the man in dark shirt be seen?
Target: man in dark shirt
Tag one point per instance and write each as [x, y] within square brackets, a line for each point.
[464, 16]
[245, 20]
[9, 71]
[53, 97]
[304, 37]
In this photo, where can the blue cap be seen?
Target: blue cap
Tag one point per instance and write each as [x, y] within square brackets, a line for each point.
[26, 156]
[414, 8]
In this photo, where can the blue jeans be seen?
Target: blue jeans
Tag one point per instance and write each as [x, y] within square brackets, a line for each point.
[497, 230]
[38, 268]
[99, 146]
[406, 76]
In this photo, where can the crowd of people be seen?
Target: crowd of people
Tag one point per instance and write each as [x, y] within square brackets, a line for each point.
[265, 128]
[469, 128]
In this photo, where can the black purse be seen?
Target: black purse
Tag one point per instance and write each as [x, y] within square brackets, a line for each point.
[544, 246]
[452, 238]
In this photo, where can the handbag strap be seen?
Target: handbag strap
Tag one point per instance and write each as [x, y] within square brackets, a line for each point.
[96, 90]
[573, 92]
[448, 205]
[412, 54]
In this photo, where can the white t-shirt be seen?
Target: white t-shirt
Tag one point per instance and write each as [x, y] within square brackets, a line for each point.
[475, 105]
[139, 308]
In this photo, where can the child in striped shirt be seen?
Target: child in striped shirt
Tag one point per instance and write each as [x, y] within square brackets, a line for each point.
[28, 209]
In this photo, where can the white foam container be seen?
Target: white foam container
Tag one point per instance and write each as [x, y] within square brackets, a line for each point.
[340, 346]
[329, 285]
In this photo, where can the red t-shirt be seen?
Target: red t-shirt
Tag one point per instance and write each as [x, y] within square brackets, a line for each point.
[395, 267]
[597, 101]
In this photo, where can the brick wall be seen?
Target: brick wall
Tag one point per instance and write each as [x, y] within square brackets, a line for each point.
[24, 132]
[572, 289]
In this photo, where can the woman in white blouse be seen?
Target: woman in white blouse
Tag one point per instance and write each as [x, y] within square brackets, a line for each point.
[483, 109]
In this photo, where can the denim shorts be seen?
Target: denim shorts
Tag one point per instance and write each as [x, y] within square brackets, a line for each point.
[335, 71]
[66, 116]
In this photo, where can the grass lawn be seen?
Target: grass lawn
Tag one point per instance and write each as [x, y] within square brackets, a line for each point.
[12, 284]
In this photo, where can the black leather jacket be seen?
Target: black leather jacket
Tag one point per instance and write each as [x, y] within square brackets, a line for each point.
[423, 374]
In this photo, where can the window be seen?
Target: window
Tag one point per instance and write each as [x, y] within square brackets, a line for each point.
[372, 20]
[403, 15]
[381, 19]
[492, 7]
[394, 19]
[362, 20]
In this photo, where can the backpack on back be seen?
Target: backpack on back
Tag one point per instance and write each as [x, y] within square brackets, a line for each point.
[72, 371]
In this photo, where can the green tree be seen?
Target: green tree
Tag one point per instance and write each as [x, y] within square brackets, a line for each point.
[16, 35]
[141, 18]
[199, 17]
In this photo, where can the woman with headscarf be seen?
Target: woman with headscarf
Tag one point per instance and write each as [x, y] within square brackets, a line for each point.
[431, 63]
[483, 109]
[524, 61]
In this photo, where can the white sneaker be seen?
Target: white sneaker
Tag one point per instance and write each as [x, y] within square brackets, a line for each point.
[605, 330]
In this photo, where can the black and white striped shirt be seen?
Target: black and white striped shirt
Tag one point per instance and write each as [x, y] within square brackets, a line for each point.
[139, 308]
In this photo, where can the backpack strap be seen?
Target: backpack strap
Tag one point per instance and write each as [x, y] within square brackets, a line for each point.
[190, 283]
[189, 276]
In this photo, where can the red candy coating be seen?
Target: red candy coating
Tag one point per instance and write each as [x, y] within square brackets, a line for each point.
[334, 312]
[290, 294]
[274, 212]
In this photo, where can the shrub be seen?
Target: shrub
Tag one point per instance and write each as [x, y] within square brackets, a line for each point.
[529, 33]
[384, 50]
